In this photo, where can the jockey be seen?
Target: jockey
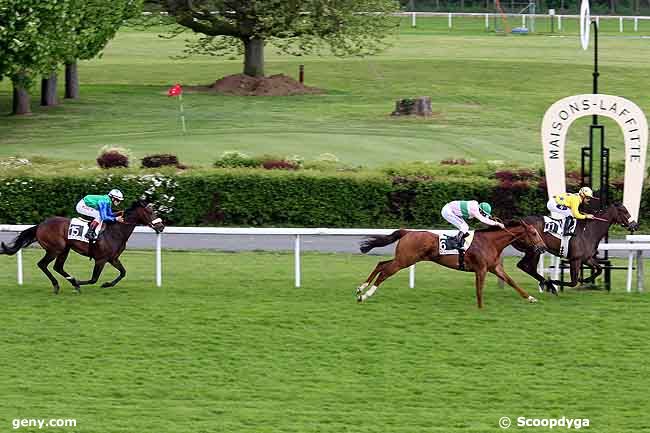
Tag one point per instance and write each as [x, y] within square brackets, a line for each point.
[456, 212]
[99, 208]
[567, 205]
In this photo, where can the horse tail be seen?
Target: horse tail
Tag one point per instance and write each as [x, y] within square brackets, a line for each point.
[381, 241]
[26, 237]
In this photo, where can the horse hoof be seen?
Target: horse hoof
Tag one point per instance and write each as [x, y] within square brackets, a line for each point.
[358, 291]
[56, 290]
[106, 285]
[532, 299]
[541, 287]
[359, 299]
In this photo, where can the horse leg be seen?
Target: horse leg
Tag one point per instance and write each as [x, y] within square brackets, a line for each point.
[593, 264]
[117, 265]
[43, 263]
[501, 273]
[575, 272]
[480, 281]
[528, 264]
[58, 267]
[386, 271]
[371, 277]
[97, 271]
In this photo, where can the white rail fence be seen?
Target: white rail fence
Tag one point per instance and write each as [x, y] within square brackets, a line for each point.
[635, 246]
[452, 16]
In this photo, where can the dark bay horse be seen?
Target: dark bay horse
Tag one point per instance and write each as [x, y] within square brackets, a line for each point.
[583, 246]
[52, 235]
[481, 257]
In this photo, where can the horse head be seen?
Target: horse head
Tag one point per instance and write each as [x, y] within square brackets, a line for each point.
[618, 214]
[532, 237]
[142, 213]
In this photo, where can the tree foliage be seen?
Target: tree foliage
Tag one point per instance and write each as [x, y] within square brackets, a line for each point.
[297, 27]
[36, 35]
[33, 37]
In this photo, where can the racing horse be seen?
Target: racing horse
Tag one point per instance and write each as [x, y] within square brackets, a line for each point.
[481, 257]
[52, 233]
[583, 246]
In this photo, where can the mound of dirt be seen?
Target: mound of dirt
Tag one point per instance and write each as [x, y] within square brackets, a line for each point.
[275, 85]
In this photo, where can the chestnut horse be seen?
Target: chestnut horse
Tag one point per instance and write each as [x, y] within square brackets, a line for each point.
[583, 246]
[52, 235]
[481, 257]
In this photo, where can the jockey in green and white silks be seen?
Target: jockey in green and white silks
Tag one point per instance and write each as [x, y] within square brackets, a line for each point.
[456, 212]
[99, 208]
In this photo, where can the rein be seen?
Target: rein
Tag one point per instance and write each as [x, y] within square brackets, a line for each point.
[513, 235]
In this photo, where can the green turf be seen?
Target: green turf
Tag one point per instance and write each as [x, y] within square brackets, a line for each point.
[229, 345]
[489, 94]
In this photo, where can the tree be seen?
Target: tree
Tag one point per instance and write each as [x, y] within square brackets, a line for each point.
[343, 27]
[99, 21]
[30, 39]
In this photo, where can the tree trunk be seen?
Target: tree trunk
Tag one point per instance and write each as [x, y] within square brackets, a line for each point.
[71, 81]
[48, 91]
[21, 101]
[612, 6]
[254, 57]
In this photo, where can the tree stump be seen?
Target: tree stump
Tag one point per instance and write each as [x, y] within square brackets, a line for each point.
[420, 106]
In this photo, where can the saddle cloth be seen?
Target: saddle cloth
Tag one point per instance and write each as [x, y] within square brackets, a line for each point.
[556, 229]
[79, 228]
[443, 251]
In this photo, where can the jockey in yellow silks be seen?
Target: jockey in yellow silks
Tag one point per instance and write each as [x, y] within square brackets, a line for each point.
[567, 205]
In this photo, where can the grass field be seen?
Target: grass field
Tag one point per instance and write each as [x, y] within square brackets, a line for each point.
[228, 345]
[489, 94]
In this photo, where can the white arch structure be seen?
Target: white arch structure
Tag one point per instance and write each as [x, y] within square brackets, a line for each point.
[625, 113]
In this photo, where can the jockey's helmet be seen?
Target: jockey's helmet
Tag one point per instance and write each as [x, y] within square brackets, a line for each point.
[585, 191]
[116, 194]
[485, 207]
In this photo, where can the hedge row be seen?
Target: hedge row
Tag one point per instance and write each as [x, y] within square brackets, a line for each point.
[280, 198]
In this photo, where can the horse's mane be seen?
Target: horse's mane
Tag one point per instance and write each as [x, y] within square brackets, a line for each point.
[601, 211]
[136, 204]
[508, 224]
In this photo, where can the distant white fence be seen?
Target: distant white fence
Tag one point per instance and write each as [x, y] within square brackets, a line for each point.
[452, 16]
[635, 246]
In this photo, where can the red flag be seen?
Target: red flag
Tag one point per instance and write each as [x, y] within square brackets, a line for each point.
[175, 90]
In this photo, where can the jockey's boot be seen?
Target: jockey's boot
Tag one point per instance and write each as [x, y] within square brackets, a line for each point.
[460, 240]
[569, 225]
[92, 235]
[461, 259]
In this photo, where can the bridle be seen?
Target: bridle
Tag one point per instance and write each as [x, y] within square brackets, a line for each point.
[523, 234]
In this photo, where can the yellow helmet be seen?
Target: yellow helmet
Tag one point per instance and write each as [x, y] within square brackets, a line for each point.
[585, 191]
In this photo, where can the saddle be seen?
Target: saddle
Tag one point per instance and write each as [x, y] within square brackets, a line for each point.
[79, 227]
[448, 245]
[562, 229]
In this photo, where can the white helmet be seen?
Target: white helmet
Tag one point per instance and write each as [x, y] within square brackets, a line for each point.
[116, 194]
[585, 191]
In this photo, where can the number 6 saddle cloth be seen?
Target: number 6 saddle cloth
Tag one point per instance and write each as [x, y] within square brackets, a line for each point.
[443, 251]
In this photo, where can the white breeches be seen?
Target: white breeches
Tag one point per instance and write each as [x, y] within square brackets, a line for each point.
[555, 208]
[453, 219]
[82, 209]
